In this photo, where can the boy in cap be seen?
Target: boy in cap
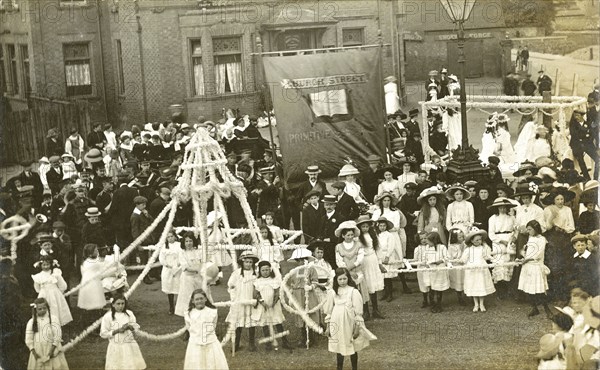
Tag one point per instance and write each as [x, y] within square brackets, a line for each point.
[311, 215]
[346, 205]
[584, 266]
[140, 221]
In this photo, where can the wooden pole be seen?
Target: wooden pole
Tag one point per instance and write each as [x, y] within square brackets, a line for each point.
[557, 83]
[575, 83]
[546, 118]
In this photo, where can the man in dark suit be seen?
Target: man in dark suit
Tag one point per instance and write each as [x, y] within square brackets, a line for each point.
[313, 183]
[121, 210]
[584, 141]
[96, 137]
[444, 84]
[346, 206]
[311, 215]
[527, 86]
[140, 220]
[266, 192]
[157, 205]
[28, 177]
[524, 58]
[54, 174]
[372, 177]
[330, 220]
[544, 82]
[412, 125]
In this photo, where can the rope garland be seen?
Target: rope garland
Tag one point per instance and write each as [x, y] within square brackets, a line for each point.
[451, 267]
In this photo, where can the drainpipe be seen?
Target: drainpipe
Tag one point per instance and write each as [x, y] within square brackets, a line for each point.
[141, 50]
[102, 62]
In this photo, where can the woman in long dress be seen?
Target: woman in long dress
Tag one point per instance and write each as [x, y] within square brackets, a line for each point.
[488, 139]
[118, 326]
[190, 260]
[501, 229]
[50, 285]
[392, 100]
[432, 215]
[170, 276]
[504, 149]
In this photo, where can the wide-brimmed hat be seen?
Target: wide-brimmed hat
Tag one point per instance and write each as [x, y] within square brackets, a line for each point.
[268, 169]
[525, 166]
[93, 156]
[549, 346]
[591, 312]
[386, 194]
[453, 78]
[432, 191]
[248, 254]
[526, 188]
[373, 158]
[433, 73]
[545, 172]
[42, 239]
[316, 243]
[450, 191]
[544, 162]
[413, 113]
[347, 225]
[556, 191]
[54, 159]
[590, 192]
[474, 232]
[301, 253]
[312, 170]
[59, 225]
[362, 220]
[93, 212]
[501, 202]
[348, 169]
[212, 216]
[389, 168]
[390, 224]
[44, 160]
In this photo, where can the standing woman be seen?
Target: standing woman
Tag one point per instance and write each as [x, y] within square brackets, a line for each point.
[190, 261]
[533, 280]
[432, 216]
[560, 226]
[389, 183]
[460, 213]
[407, 174]
[371, 267]
[171, 272]
[501, 231]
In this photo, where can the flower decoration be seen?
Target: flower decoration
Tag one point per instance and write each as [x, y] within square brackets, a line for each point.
[534, 187]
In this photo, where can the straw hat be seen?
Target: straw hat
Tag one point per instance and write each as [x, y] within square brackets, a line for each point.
[363, 220]
[474, 232]
[501, 202]
[347, 225]
[329, 199]
[525, 166]
[390, 224]
[248, 254]
[525, 188]
[93, 156]
[93, 212]
[348, 169]
[450, 192]
[566, 193]
[386, 194]
[301, 253]
[432, 191]
[544, 162]
[549, 346]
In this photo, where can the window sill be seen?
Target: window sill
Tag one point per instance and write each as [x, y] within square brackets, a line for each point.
[221, 96]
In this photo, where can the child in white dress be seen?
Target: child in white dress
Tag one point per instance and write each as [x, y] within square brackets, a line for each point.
[275, 230]
[345, 325]
[268, 310]
[325, 272]
[170, 276]
[456, 247]
[478, 282]
[422, 277]
[501, 230]
[460, 213]
[43, 337]
[269, 250]
[372, 269]
[241, 288]
[50, 285]
[389, 184]
[190, 260]
[91, 295]
[389, 252]
[219, 257]
[434, 254]
[118, 326]
[204, 350]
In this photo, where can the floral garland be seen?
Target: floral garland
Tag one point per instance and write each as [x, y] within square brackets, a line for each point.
[451, 267]
[513, 98]
[160, 337]
[14, 233]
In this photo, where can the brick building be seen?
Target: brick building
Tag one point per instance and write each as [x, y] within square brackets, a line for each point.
[131, 59]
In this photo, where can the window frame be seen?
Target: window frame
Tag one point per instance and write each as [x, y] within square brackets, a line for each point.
[91, 69]
[13, 66]
[217, 54]
[3, 79]
[194, 56]
[25, 69]
[362, 33]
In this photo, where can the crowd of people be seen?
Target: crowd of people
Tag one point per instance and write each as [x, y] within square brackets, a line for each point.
[364, 230]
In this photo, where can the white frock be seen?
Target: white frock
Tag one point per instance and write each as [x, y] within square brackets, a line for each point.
[373, 275]
[343, 311]
[241, 288]
[389, 247]
[397, 218]
[123, 351]
[219, 257]
[48, 334]
[91, 295]
[51, 285]
[478, 282]
[533, 280]
[460, 215]
[488, 145]
[392, 101]
[272, 314]
[171, 272]
[189, 281]
[204, 350]
[436, 280]
[501, 228]
[454, 129]
[507, 153]
[456, 276]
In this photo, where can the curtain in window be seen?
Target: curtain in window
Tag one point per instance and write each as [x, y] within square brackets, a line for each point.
[198, 77]
[78, 74]
[234, 74]
[220, 77]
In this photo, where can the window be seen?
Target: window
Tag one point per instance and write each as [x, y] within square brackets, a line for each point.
[3, 78]
[120, 75]
[77, 69]
[25, 69]
[197, 70]
[352, 37]
[14, 78]
[228, 64]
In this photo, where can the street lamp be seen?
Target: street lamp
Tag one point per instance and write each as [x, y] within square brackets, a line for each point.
[465, 161]
[459, 11]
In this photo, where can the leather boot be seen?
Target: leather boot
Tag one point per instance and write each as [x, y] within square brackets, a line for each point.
[366, 315]
[391, 295]
[302, 340]
[238, 337]
[252, 345]
[386, 289]
[376, 313]
[405, 287]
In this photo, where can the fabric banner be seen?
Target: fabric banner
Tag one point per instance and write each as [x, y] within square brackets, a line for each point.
[328, 107]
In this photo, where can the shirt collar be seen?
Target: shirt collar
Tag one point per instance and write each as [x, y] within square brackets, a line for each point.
[137, 211]
[585, 254]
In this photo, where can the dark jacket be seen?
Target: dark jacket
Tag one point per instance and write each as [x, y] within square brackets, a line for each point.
[347, 208]
[311, 220]
[306, 186]
[54, 148]
[139, 223]
[122, 207]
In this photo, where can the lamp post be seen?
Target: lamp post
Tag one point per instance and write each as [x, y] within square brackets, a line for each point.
[465, 161]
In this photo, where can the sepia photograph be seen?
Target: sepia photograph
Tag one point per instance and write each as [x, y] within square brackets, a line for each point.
[299, 184]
